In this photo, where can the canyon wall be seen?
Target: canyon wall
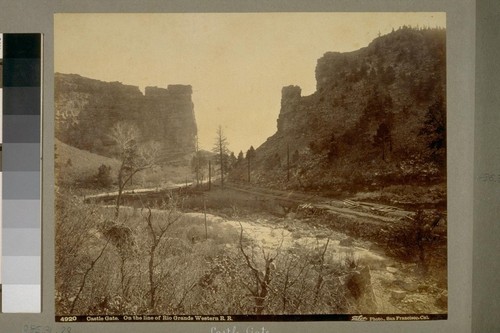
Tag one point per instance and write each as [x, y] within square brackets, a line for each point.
[86, 110]
[379, 110]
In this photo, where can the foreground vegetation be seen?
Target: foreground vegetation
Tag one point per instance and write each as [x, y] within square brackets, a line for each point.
[162, 261]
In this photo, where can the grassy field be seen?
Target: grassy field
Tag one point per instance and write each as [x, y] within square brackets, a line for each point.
[78, 169]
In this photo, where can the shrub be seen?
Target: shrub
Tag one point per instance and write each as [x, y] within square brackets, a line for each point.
[103, 177]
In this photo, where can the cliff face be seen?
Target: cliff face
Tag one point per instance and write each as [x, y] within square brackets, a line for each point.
[86, 110]
[373, 110]
[171, 117]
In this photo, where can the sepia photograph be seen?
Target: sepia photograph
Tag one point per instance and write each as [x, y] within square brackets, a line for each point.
[250, 166]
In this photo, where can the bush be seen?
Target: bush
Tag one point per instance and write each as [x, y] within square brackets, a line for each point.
[103, 178]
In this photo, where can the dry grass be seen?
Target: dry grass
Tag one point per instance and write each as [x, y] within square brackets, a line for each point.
[78, 168]
[195, 270]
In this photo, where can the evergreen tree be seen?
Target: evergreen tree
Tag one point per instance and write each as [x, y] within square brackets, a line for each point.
[383, 139]
[241, 157]
[250, 157]
[104, 176]
[434, 131]
[333, 149]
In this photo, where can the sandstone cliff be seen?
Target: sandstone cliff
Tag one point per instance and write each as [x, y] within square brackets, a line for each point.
[378, 114]
[86, 109]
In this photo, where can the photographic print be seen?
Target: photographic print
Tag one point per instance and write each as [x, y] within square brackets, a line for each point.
[242, 167]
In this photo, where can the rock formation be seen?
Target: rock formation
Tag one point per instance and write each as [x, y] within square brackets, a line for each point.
[378, 111]
[86, 109]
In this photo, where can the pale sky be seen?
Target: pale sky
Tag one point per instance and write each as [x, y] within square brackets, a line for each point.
[237, 63]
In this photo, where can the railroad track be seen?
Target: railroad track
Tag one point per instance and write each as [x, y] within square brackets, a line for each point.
[368, 212]
[348, 208]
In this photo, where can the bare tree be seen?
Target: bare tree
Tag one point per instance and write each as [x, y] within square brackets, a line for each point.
[261, 278]
[221, 149]
[157, 231]
[86, 275]
[134, 157]
[293, 287]
[320, 279]
[199, 163]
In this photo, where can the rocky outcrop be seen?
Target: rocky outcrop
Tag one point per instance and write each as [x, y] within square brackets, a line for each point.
[86, 110]
[172, 119]
[380, 110]
[406, 67]
[290, 99]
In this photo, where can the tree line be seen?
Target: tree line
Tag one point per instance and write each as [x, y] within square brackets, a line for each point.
[221, 161]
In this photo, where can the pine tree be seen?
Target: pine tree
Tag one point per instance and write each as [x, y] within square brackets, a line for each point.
[221, 149]
[250, 157]
[434, 131]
